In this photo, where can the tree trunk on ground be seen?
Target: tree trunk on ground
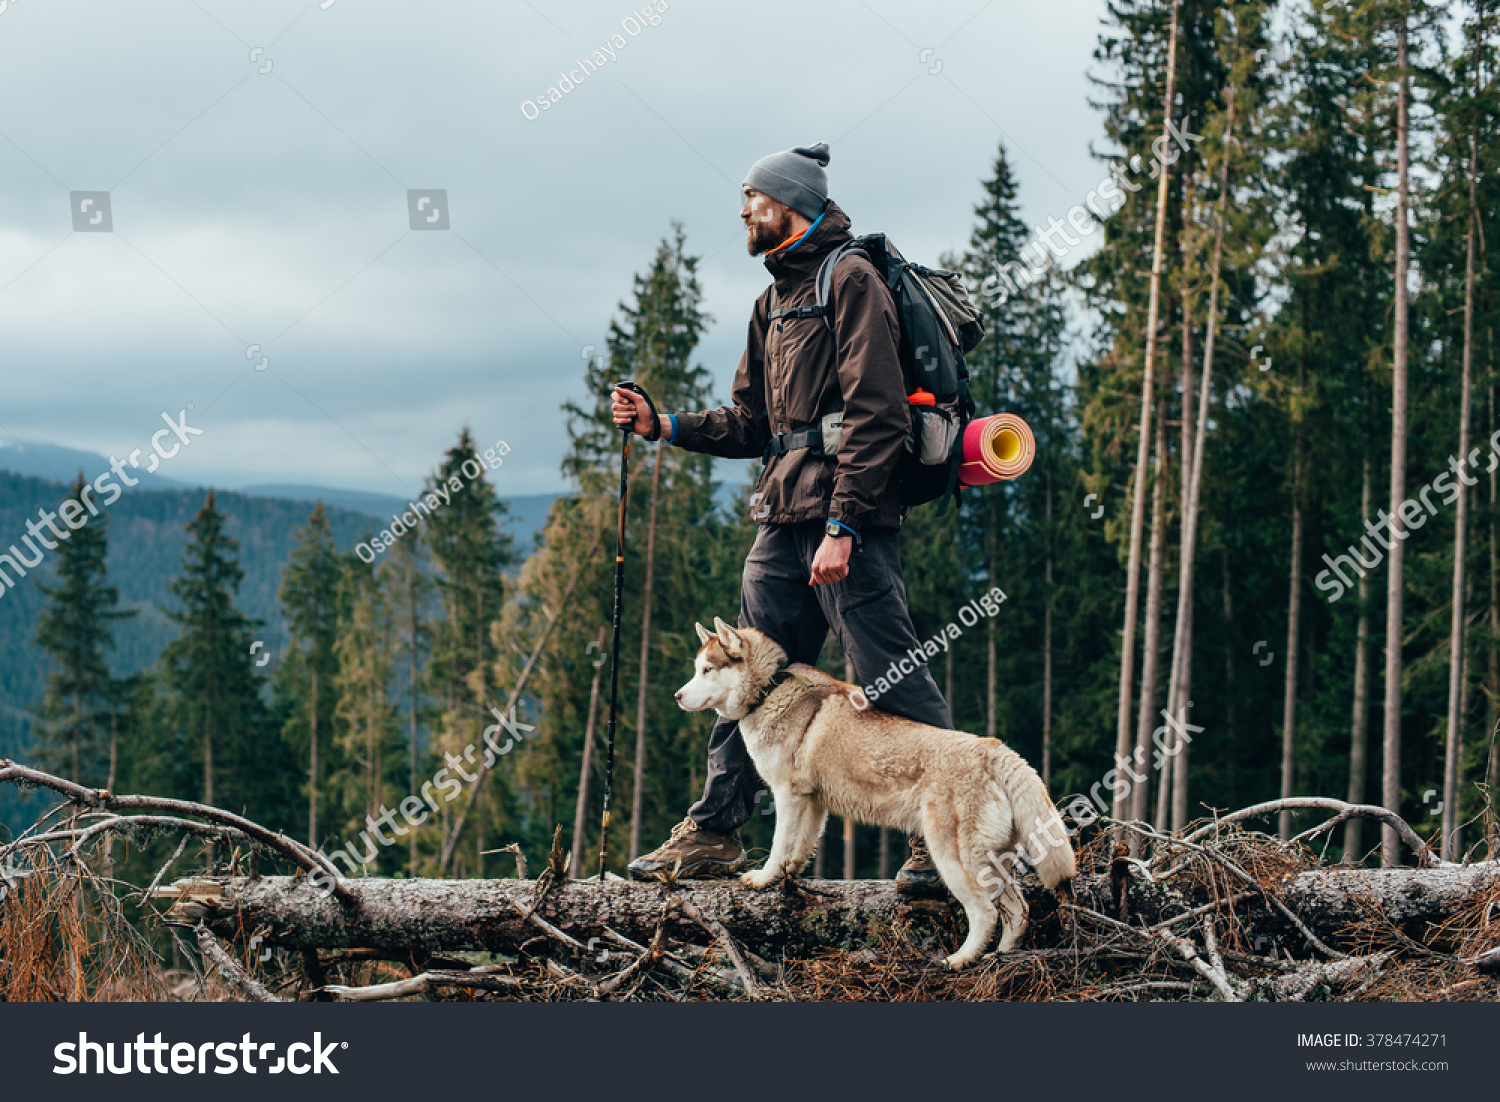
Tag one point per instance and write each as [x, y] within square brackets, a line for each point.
[432, 916]
[638, 787]
[1123, 746]
[580, 812]
[1454, 743]
[1390, 787]
[1360, 731]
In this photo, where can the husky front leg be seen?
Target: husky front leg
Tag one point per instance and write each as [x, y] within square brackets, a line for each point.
[799, 822]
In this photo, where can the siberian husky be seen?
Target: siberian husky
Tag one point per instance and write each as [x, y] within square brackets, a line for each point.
[973, 799]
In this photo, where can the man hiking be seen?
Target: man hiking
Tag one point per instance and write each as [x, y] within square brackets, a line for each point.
[827, 552]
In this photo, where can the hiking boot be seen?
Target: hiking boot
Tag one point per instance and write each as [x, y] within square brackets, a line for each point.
[703, 854]
[919, 876]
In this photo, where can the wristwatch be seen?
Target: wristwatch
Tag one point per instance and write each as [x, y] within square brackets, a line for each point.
[837, 530]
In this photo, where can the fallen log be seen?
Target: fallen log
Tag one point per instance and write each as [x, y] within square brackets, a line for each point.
[431, 916]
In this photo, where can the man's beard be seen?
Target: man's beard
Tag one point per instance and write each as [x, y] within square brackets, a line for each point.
[762, 237]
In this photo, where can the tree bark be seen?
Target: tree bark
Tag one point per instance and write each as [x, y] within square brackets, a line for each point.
[1390, 787]
[434, 916]
[1151, 644]
[312, 769]
[580, 812]
[1180, 688]
[1493, 771]
[1293, 638]
[1454, 742]
[1360, 729]
[1143, 441]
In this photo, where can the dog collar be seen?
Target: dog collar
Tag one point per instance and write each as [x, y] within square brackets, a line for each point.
[779, 678]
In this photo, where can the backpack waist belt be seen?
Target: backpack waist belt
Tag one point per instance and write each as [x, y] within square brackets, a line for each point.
[823, 436]
[811, 436]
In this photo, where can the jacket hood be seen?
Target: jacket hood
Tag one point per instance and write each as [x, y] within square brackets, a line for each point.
[804, 260]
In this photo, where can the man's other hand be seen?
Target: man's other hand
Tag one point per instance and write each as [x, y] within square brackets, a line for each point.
[630, 408]
[831, 563]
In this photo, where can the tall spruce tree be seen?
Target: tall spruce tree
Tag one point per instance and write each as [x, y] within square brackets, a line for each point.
[74, 630]
[215, 689]
[309, 593]
[471, 551]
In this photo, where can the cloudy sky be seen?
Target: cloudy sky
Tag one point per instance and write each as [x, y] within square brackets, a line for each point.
[258, 156]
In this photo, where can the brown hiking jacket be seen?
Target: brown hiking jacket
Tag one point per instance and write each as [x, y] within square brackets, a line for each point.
[794, 370]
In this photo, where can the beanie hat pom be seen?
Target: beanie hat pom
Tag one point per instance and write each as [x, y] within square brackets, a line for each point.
[817, 153]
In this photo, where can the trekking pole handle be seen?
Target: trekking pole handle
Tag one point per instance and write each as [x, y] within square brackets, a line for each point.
[633, 386]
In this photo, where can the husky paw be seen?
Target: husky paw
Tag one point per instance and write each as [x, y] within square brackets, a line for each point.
[760, 879]
[957, 962]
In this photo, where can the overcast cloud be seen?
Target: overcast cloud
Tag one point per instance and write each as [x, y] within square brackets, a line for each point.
[269, 207]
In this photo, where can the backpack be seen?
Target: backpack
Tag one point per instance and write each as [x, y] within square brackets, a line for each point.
[938, 326]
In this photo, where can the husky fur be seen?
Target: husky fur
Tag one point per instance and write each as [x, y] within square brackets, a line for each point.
[973, 799]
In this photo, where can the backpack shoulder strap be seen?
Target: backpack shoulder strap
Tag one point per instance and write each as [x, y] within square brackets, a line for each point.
[824, 288]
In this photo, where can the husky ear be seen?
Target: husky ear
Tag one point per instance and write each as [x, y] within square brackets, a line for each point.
[704, 635]
[731, 640]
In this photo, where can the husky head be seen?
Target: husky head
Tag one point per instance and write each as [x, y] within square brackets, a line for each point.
[732, 667]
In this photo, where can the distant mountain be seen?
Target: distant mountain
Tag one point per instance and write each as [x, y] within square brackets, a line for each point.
[55, 463]
[526, 513]
[59, 464]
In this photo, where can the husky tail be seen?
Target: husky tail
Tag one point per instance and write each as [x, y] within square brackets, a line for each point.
[1040, 832]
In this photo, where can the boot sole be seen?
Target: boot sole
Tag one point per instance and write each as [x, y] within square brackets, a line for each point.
[925, 885]
[706, 869]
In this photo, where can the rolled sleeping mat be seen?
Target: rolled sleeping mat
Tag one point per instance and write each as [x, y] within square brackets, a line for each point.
[996, 449]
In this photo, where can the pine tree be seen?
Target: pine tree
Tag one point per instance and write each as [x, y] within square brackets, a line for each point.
[215, 689]
[471, 552]
[74, 629]
[368, 728]
[304, 679]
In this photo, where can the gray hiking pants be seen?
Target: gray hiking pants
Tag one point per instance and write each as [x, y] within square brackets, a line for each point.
[868, 613]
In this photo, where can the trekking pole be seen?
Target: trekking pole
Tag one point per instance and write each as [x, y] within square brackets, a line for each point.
[614, 647]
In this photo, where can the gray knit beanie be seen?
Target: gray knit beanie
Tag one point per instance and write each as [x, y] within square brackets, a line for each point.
[794, 177]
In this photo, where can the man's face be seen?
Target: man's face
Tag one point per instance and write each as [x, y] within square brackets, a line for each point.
[767, 222]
